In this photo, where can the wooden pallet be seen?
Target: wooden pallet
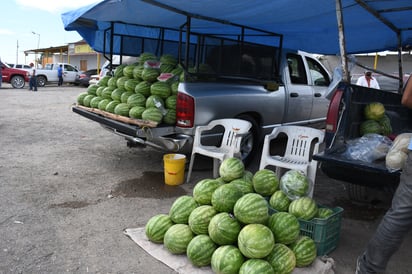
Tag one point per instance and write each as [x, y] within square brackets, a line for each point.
[132, 121]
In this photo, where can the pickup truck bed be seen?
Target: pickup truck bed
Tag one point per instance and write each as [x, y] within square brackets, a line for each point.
[332, 161]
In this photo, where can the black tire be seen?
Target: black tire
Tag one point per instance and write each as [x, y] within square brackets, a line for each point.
[250, 143]
[17, 81]
[41, 81]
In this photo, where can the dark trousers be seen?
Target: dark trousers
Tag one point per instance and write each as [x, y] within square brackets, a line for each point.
[33, 83]
[396, 223]
[60, 81]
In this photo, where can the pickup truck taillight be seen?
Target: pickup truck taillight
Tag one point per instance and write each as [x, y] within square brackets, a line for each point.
[332, 117]
[185, 106]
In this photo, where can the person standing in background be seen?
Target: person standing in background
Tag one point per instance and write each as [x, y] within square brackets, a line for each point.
[33, 78]
[368, 81]
[60, 75]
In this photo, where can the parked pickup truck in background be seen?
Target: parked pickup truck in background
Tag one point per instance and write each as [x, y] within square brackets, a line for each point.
[48, 74]
[16, 77]
[345, 114]
[261, 84]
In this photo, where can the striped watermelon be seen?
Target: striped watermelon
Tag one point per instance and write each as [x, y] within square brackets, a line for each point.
[80, 98]
[324, 212]
[157, 226]
[161, 89]
[125, 96]
[165, 68]
[94, 103]
[152, 114]
[231, 168]
[174, 86]
[181, 209]
[304, 249]
[92, 89]
[304, 208]
[99, 91]
[225, 197]
[282, 259]
[170, 117]
[146, 56]
[200, 217]
[252, 208]
[128, 71]
[117, 93]
[248, 176]
[137, 72]
[256, 266]
[224, 229]
[121, 81]
[131, 84]
[265, 182]
[255, 241]
[227, 259]
[171, 102]
[122, 109]
[370, 126]
[243, 185]
[103, 103]
[107, 93]
[203, 190]
[150, 101]
[200, 250]
[168, 59]
[136, 112]
[279, 201]
[103, 82]
[112, 82]
[118, 72]
[285, 227]
[87, 99]
[177, 238]
[136, 99]
[144, 88]
[111, 106]
[150, 74]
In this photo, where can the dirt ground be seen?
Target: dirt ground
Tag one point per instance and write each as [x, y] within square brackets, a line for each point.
[68, 189]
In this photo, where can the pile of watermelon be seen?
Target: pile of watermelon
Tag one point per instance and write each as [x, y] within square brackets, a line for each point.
[375, 120]
[240, 222]
[145, 90]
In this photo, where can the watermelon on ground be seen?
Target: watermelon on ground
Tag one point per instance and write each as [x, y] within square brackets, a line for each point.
[200, 217]
[265, 182]
[279, 201]
[177, 238]
[203, 190]
[224, 229]
[251, 208]
[227, 259]
[225, 197]
[157, 226]
[200, 250]
[305, 251]
[181, 209]
[244, 186]
[282, 259]
[231, 168]
[256, 266]
[255, 241]
[285, 227]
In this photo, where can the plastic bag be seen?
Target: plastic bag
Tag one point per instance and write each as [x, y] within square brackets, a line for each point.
[295, 184]
[397, 154]
[368, 148]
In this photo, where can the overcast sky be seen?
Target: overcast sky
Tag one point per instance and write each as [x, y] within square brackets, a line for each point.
[20, 18]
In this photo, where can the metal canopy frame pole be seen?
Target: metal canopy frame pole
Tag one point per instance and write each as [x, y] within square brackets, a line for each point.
[342, 44]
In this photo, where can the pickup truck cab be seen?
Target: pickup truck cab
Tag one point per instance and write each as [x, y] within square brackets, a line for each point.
[262, 84]
[16, 77]
[48, 74]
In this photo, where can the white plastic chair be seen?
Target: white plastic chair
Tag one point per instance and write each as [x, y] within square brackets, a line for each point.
[234, 129]
[302, 143]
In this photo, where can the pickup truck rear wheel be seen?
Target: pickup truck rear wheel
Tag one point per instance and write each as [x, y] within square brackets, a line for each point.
[17, 81]
[249, 144]
[41, 81]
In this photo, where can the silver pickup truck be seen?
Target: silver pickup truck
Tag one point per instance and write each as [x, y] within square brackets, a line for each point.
[266, 88]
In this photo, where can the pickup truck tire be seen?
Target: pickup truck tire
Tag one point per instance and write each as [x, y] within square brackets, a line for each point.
[17, 81]
[41, 81]
[249, 145]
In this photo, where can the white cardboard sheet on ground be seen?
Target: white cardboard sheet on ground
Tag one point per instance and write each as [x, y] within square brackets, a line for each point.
[182, 265]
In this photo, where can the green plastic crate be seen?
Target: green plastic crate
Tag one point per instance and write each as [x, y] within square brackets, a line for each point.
[325, 232]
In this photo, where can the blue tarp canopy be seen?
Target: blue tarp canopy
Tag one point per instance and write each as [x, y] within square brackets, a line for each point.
[312, 26]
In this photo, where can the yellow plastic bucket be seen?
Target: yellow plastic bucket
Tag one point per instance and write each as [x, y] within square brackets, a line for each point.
[174, 168]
